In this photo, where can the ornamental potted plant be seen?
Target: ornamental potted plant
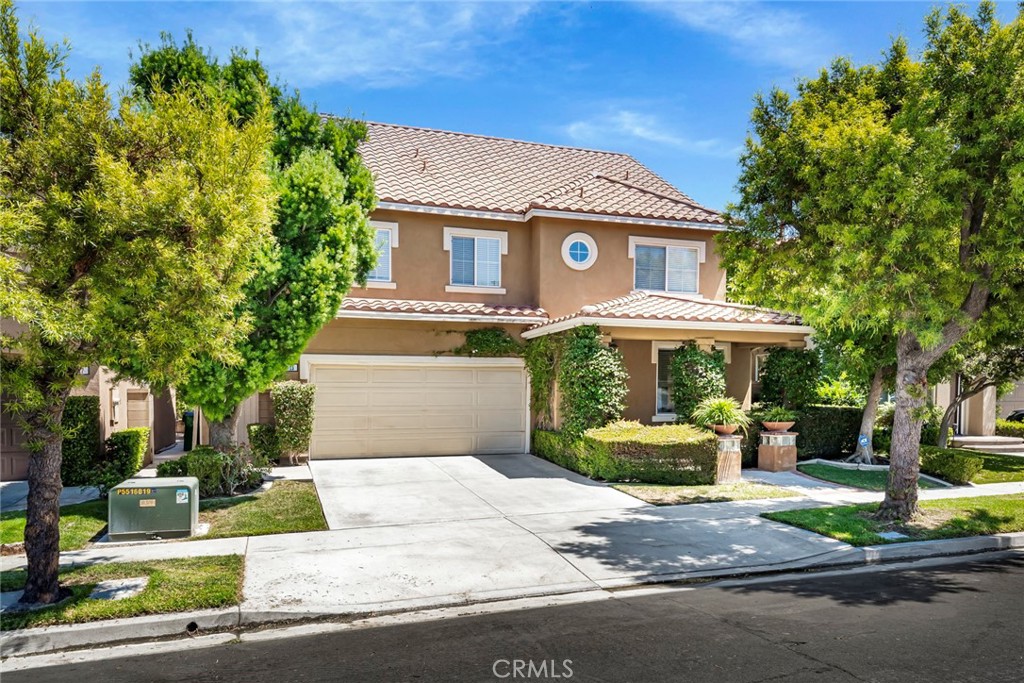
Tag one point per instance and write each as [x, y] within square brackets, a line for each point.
[724, 415]
[778, 419]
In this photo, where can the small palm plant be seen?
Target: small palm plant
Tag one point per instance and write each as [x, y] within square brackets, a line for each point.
[724, 415]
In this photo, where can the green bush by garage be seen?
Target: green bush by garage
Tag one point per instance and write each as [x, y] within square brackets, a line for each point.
[629, 451]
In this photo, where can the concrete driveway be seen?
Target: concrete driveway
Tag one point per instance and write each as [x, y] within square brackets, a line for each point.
[418, 532]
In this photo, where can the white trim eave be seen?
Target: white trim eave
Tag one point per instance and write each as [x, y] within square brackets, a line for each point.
[440, 317]
[545, 213]
[308, 360]
[665, 325]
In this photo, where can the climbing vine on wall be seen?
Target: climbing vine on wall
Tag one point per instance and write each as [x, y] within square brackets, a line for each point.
[696, 375]
[592, 380]
[542, 356]
[489, 342]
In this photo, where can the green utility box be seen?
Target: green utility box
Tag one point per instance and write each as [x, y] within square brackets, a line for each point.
[152, 508]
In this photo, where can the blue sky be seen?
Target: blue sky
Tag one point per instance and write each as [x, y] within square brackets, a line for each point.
[669, 82]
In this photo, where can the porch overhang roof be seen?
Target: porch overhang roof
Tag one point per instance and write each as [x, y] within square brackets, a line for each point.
[642, 309]
[439, 311]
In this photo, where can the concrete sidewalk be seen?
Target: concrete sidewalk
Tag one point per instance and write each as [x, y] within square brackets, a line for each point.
[14, 495]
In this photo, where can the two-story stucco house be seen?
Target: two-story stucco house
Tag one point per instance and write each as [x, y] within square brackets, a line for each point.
[480, 232]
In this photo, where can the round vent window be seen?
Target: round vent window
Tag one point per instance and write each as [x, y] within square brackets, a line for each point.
[579, 251]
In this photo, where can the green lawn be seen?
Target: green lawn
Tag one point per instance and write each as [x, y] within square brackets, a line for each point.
[78, 524]
[999, 468]
[288, 506]
[949, 518]
[685, 495]
[871, 480]
[174, 586]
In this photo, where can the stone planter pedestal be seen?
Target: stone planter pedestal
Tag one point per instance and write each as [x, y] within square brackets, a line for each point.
[777, 452]
[729, 460]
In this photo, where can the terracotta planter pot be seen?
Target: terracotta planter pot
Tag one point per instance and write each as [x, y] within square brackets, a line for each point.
[778, 426]
[725, 429]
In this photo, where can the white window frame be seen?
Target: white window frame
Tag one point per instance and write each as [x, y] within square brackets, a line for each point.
[656, 346]
[693, 245]
[587, 240]
[760, 356]
[474, 233]
[391, 227]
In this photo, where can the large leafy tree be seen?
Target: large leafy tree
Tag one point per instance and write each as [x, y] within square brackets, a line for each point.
[890, 198]
[125, 238]
[323, 239]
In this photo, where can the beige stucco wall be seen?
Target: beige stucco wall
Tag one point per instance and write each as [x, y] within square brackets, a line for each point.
[421, 268]
[394, 337]
[562, 290]
[533, 272]
[1011, 401]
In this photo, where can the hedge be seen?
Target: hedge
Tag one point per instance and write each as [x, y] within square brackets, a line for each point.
[219, 473]
[80, 449]
[629, 451]
[823, 432]
[1008, 428]
[126, 451]
[953, 465]
[263, 442]
[293, 414]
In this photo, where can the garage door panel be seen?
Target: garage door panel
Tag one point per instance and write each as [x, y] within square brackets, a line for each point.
[412, 408]
[328, 374]
[499, 376]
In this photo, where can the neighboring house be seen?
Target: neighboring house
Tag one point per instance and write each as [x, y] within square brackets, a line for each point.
[122, 405]
[477, 232]
[1011, 401]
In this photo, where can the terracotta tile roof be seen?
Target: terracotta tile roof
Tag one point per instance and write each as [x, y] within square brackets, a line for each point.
[642, 305]
[445, 308]
[462, 171]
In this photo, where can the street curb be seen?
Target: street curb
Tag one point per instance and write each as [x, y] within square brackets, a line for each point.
[119, 631]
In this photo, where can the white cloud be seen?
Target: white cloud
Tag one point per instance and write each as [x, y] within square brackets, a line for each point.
[756, 31]
[622, 127]
[380, 44]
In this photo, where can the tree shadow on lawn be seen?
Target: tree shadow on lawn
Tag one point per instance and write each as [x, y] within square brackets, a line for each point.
[887, 587]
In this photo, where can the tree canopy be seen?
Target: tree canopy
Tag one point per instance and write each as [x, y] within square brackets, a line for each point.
[126, 234]
[323, 242]
[889, 198]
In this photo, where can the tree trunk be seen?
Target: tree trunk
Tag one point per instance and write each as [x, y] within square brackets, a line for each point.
[904, 456]
[865, 452]
[42, 525]
[222, 432]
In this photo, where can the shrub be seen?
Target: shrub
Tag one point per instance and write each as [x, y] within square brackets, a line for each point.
[696, 375]
[840, 391]
[219, 473]
[80, 449]
[263, 442]
[629, 451]
[790, 377]
[542, 356]
[492, 342]
[1008, 428]
[592, 379]
[827, 431]
[126, 450]
[293, 415]
[778, 414]
[952, 465]
[823, 432]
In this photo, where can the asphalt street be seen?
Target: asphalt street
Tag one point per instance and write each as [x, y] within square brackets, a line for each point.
[962, 621]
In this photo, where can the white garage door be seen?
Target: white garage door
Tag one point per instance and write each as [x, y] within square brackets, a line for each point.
[418, 406]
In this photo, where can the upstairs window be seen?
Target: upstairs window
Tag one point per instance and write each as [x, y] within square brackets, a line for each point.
[475, 259]
[382, 244]
[666, 265]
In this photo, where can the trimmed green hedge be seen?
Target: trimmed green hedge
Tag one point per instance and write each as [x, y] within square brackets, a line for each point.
[126, 451]
[263, 442]
[293, 413]
[80, 448]
[219, 473]
[1007, 428]
[823, 432]
[951, 464]
[630, 451]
